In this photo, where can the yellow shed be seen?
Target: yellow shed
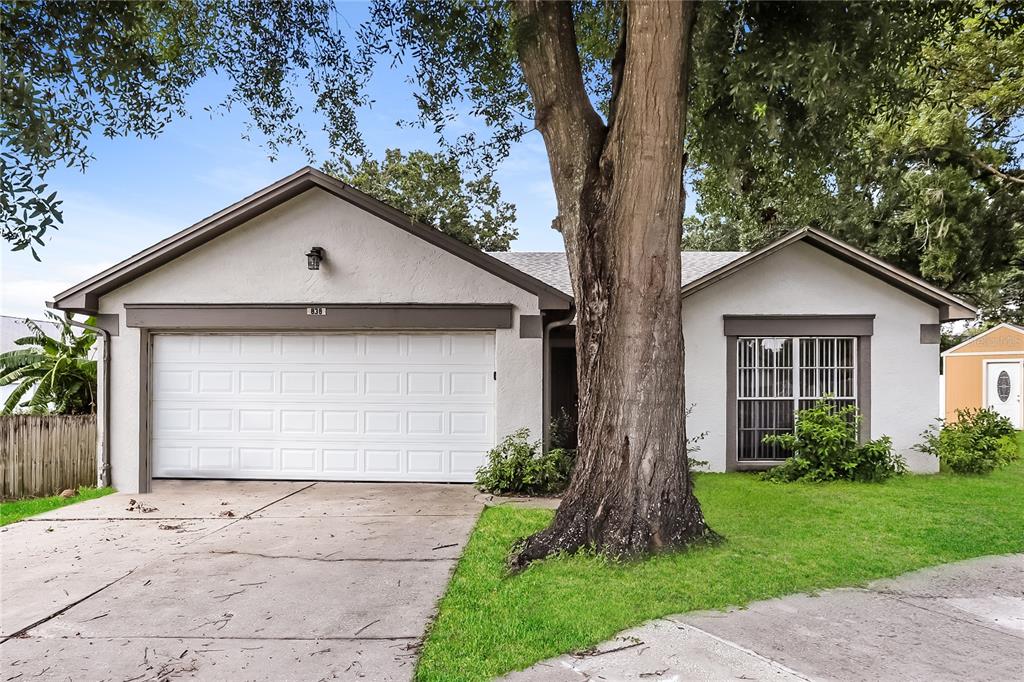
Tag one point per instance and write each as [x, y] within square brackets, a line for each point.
[986, 371]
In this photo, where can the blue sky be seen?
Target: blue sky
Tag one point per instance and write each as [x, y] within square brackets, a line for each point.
[138, 191]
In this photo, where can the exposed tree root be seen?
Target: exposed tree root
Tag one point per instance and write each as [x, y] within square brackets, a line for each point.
[569, 537]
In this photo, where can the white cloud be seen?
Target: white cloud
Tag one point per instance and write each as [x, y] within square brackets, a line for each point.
[96, 234]
[27, 296]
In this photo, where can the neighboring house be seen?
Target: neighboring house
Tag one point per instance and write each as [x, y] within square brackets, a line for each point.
[12, 329]
[398, 353]
[986, 371]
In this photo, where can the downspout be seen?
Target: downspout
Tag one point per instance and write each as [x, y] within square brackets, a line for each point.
[104, 473]
[554, 324]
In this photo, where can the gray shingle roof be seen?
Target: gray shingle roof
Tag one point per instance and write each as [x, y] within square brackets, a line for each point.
[551, 267]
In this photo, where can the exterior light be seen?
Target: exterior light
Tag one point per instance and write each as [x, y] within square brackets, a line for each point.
[313, 258]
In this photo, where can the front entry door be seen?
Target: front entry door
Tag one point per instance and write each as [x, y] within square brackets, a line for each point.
[1002, 390]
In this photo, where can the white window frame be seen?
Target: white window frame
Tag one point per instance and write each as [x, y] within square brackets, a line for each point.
[796, 393]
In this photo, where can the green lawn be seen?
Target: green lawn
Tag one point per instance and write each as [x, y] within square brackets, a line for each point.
[781, 538]
[20, 509]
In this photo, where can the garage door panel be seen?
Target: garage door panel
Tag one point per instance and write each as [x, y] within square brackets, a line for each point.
[172, 380]
[324, 421]
[468, 348]
[399, 462]
[331, 406]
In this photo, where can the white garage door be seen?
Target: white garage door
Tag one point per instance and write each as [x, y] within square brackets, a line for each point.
[348, 407]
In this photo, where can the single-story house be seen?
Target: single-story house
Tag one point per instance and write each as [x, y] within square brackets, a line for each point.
[986, 371]
[312, 332]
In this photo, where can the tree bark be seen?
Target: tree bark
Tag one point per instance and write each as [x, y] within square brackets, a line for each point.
[620, 204]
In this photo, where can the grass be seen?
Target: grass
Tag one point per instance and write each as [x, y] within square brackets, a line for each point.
[780, 539]
[19, 509]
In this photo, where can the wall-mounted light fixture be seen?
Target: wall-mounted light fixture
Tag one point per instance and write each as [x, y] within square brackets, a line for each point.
[313, 258]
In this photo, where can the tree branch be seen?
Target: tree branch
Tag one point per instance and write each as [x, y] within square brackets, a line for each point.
[984, 165]
[573, 131]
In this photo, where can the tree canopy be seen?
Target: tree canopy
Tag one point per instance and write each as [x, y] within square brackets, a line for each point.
[73, 70]
[431, 188]
[931, 181]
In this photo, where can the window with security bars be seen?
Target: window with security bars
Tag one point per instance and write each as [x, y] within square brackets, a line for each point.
[777, 376]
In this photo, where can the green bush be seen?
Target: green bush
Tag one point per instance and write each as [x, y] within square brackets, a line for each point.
[976, 443]
[518, 466]
[824, 446]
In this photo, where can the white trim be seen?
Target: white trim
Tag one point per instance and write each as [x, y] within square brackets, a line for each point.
[1001, 325]
[995, 352]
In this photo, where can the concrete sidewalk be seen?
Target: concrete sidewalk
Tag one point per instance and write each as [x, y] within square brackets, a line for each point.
[962, 621]
[227, 580]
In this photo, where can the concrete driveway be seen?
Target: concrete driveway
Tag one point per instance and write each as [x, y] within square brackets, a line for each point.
[231, 580]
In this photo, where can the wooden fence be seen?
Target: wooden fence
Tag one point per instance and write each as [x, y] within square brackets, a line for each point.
[45, 454]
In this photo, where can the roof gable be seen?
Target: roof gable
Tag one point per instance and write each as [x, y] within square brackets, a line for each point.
[950, 307]
[1002, 337]
[84, 297]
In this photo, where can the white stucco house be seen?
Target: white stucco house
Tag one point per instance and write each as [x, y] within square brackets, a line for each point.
[312, 332]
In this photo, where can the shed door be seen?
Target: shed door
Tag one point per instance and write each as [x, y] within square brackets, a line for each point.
[348, 407]
[1002, 390]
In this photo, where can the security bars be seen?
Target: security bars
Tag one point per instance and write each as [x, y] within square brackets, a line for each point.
[777, 376]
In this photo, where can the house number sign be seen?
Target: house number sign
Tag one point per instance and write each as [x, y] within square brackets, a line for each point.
[317, 312]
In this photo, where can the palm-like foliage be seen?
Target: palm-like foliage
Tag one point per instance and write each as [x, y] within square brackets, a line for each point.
[57, 369]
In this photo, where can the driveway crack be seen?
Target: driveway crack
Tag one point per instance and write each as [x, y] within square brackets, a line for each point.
[73, 604]
[969, 620]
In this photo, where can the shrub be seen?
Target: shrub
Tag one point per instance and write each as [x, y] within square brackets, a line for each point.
[562, 430]
[976, 443]
[824, 446]
[518, 466]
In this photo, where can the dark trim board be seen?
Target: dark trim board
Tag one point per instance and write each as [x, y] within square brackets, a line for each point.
[145, 410]
[531, 327]
[731, 459]
[864, 386]
[799, 325]
[336, 317]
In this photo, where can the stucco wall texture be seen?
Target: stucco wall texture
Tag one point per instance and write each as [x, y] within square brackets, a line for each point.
[964, 368]
[368, 260]
[802, 280]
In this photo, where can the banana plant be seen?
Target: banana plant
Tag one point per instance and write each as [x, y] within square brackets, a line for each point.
[52, 373]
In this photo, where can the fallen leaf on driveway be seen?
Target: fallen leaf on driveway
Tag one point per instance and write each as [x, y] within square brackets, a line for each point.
[135, 505]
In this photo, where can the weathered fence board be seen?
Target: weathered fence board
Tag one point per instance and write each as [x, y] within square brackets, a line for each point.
[44, 454]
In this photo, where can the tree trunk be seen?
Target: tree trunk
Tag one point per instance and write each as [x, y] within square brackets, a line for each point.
[620, 198]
